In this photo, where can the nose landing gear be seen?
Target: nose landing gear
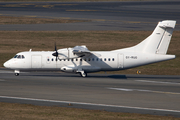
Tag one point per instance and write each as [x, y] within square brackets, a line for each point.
[16, 72]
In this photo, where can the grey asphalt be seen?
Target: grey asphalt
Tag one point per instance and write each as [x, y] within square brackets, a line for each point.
[104, 15]
[147, 94]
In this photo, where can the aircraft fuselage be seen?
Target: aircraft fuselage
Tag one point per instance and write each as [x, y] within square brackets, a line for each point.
[108, 61]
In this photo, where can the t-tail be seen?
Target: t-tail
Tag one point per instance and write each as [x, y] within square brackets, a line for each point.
[151, 50]
[158, 41]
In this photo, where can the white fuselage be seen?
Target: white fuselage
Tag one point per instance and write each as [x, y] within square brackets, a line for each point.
[107, 61]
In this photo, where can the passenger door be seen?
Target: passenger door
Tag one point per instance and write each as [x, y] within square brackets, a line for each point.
[120, 60]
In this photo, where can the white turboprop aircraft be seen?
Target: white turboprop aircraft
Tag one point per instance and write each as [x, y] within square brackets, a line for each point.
[80, 60]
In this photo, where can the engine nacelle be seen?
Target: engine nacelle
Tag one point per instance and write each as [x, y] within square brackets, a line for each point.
[68, 69]
[66, 53]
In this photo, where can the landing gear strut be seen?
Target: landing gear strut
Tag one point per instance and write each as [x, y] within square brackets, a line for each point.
[83, 74]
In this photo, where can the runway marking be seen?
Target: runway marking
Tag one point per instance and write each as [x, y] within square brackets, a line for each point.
[139, 90]
[157, 82]
[93, 104]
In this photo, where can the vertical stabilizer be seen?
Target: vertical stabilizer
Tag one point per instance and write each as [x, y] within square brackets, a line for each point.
[158, 41]
[164, 43]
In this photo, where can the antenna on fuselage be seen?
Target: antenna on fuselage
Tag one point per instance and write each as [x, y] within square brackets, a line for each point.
[30, 50]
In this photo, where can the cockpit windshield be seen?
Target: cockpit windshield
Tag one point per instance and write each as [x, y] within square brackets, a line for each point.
[15, 56]
[19, 56]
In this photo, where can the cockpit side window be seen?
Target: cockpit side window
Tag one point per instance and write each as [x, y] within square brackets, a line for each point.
[19, 56]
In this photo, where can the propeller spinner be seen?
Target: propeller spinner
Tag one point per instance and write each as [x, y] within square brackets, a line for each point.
[55, 53]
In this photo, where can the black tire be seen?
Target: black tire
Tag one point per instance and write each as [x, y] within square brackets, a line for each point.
[16, 74]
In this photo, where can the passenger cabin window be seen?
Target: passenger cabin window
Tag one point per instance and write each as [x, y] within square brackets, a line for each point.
[113, 59]
[52, 59]
[104, 59]
[109, 59]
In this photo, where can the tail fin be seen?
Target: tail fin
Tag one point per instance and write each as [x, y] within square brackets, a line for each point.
[158, 41]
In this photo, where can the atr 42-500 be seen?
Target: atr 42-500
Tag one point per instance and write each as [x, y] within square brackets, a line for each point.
[80, 60]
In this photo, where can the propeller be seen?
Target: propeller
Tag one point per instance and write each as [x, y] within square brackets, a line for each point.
[55, 53]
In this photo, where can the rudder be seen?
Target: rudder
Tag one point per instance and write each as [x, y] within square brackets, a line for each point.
[164, 43]
[158, 41]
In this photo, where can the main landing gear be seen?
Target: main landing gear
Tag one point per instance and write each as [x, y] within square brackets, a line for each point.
[83, 74]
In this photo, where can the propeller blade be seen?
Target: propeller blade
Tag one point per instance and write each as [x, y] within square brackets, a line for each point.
[55, 47]
[55, 54]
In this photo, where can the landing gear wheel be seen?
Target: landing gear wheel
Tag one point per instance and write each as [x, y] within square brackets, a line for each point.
[16, 74]
[83, 74]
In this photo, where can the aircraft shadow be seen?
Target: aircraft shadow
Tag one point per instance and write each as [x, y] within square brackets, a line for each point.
[69, 75]
[75, 75]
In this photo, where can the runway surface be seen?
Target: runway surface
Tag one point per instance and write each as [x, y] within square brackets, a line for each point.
[104, 15]
[147, 94]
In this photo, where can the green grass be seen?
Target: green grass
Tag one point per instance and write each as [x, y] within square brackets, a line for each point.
[14, 111]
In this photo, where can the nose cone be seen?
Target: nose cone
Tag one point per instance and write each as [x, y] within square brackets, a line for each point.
[6, 64]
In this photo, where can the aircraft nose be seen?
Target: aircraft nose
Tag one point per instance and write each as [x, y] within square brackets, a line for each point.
[6, 64]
